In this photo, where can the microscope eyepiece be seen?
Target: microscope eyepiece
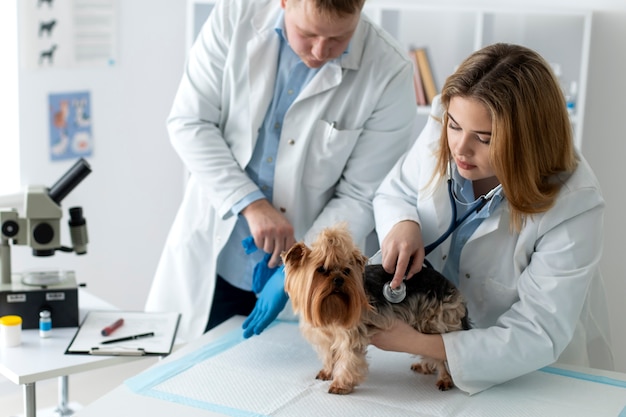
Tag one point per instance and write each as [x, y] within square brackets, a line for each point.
[69, 180]
[76, 216]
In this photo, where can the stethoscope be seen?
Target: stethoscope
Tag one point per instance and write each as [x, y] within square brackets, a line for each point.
[398, 294]
[474, 207]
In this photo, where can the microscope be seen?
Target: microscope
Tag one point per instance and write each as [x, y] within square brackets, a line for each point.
[28, 293]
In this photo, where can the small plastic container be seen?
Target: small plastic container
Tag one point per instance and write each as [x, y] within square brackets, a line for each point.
[10, 331]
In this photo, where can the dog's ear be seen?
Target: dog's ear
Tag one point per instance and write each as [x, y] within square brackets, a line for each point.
[359, 258]
[295, 277]
[295, 254]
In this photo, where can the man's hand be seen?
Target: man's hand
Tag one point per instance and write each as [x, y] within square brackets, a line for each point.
[270, 303]
[271, 231]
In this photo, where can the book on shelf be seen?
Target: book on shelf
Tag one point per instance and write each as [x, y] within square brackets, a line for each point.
[426, 73]
[420, 94]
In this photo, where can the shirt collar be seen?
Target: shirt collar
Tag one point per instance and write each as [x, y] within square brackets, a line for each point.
[279, 27]
[465, 192]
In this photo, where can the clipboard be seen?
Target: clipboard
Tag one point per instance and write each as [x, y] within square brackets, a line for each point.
[88, 338]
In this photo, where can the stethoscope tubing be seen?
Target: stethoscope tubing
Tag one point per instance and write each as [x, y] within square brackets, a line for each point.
[454, 222]
[475, 207]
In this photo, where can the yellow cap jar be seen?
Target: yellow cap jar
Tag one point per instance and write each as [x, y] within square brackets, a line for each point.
[10, 331]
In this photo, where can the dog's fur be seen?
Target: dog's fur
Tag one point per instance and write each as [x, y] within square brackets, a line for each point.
[340, 302]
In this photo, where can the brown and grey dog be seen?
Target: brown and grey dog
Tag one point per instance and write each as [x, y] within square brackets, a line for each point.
[339, 299]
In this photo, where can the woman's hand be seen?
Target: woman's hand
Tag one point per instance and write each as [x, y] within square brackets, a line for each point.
[396, 339]
[401, 337]
[403, 251]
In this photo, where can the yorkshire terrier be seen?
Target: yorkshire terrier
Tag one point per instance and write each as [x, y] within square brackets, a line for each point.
[339, 299]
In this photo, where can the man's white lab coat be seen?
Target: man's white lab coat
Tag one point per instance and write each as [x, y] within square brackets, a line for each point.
[341, 136]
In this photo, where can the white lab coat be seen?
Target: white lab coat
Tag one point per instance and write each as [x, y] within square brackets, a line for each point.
[528, 294]
[340, 137]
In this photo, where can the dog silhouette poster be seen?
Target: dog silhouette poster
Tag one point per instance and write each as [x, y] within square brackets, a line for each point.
[67, 34]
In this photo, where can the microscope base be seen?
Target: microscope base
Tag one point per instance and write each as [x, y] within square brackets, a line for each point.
[27, 301]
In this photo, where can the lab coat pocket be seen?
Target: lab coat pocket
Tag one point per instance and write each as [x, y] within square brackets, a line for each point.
[329, 150]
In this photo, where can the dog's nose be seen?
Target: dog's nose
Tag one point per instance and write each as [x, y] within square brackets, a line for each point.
[338, 281]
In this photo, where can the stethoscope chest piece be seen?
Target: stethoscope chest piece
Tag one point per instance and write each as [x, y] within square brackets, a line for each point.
[397, 295]
[394, 295]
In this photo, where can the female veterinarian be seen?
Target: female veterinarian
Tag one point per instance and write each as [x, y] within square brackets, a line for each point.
[527, 261]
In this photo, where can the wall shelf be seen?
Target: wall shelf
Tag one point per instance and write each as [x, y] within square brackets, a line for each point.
[451, 32]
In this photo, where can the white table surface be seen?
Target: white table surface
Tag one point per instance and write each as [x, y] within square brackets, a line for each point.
[37, 359]
[122, 401]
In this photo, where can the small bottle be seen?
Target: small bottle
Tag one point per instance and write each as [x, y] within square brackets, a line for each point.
[570, 98]
[45, 324]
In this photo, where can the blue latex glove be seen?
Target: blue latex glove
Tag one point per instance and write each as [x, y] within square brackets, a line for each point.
[271, 301]
[262, 273]
[248, 245]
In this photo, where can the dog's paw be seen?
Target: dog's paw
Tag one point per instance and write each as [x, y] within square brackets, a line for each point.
[324, 375]
[423, 368]
[444, 384]
[341, 390]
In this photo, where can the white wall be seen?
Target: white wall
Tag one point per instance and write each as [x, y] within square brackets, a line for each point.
[132, 194]
[9, 167]
[136, 185]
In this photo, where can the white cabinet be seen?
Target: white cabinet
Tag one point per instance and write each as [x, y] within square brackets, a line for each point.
[452, 32]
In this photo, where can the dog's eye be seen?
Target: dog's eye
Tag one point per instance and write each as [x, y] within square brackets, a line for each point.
[322, 270]
[346, 271]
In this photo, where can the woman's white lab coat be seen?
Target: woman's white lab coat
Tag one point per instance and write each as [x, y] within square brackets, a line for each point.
[529, 294]
[341, 136]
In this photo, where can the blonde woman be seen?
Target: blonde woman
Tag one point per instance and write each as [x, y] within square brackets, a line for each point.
[527, 261]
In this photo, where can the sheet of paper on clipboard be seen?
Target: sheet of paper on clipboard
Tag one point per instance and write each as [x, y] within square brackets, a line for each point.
[89, 339]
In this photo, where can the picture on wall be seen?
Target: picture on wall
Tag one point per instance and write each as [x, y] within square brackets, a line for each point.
[70, 125]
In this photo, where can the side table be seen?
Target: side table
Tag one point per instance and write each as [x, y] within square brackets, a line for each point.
[38, 359]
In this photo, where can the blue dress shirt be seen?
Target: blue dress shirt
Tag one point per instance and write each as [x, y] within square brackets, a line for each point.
[292, 76]
[465, 197]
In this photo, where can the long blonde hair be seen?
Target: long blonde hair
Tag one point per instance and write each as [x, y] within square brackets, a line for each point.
[531, 138]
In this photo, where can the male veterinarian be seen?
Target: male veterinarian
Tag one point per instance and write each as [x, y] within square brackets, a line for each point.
[288, 116]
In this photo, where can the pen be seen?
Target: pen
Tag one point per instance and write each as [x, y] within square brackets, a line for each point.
[110, 329]
[333, 126]
[124, 339]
